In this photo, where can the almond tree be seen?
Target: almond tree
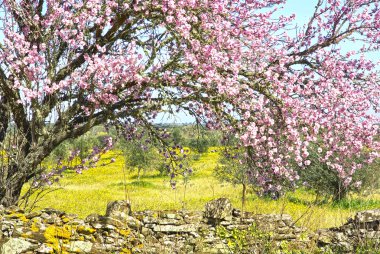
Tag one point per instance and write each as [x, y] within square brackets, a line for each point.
[237, 65]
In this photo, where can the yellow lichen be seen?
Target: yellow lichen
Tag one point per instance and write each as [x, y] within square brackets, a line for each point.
[34, 227]
[140, 217]
[19, 216]
[53, 232]
[140, 246]
[126, 251]
[85, 230]
[65, 219]
[26, 235]
[58, 248]
[57, 236]
[124, 232]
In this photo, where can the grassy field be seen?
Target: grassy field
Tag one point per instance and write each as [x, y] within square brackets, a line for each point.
[89, 193]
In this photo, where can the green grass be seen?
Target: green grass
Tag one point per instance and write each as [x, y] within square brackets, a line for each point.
[91, 191]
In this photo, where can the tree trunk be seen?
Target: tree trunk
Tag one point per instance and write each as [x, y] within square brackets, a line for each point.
[340, 194]
[12, 182]
[10, 194]
[243, 196]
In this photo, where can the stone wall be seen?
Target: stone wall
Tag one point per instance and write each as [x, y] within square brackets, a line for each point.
[218, 229]
[363, 229]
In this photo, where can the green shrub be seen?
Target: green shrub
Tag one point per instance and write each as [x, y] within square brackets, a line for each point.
[254, 240]
[368, 246]
[246, 241]
[318, 176]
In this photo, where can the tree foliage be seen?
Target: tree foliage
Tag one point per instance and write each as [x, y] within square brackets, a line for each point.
[196, 137]
[140, 153]
[327, 183]
[67, 66]
[234, 168]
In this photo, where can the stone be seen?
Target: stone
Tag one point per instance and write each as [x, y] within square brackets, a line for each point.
[225, 223]
[15, 246]
[212, 250]
[283, 230]
[146, 231]
[169, 222]
[13, 209]
[281, 237]
[44, 248]
[76, 222]
[170, 243]
[151, 226]
[32, 215]
[45, 216]
[325, 236]
[92, 218]
[80, 247]
[68, 217]
[7, 227]
[52, 211]
[150, 220]
[36, 236]
[105, 221]
[236, 212]
[132, 222]
[173, 228]
[85, 230]
[172, 216]
[194, 234]
[120, 208]
[340, 237]
[218, 209]
[373, 235]
[96, 225]
[367, 216]
[110, 240]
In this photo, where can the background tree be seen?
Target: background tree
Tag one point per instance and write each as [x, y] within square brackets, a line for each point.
[140, 155]
[67, 66]
[178, 135]
[200, 139]
[234, 168]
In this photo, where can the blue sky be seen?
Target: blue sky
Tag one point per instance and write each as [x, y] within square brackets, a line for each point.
[302, 9]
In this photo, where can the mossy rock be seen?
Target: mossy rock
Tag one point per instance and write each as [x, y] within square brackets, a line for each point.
[125, 232]
[40, 237]
[85, 230]
[34, 226]
[19, 216]
[54, 232]
[57, 236]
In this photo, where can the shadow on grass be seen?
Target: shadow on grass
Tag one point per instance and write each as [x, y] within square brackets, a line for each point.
[155, 176]
[347, 203]
[299, 201]
[139, 184]
[356, 204]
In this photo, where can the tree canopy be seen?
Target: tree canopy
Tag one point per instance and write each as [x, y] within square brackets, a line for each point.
[236, 65]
